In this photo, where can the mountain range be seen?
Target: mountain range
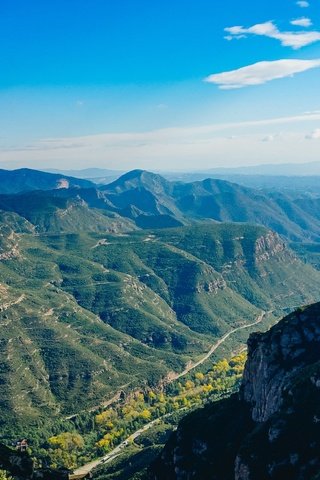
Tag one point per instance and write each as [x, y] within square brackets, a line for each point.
[110, 290]
[287, 169]
[141, 199]
[95, 274]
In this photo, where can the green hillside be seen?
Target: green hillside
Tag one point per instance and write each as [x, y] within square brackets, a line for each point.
[85, 316]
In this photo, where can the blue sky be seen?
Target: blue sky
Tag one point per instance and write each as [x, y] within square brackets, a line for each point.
[135, 83]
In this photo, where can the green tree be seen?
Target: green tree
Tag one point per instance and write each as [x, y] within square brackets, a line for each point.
[4, 475]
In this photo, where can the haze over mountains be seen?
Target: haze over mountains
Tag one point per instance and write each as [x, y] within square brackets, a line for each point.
[278, 169]
[282, 169]
[284, 177]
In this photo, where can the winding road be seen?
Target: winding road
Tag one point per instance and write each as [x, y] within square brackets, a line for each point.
[81, 472]
[214, 347]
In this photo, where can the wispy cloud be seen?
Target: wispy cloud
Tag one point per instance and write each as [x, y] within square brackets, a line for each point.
[176, 147]
[302, 22]
[291, 39]
[303, 4]
[312, 112]
[260, 73]
[160, 136]
[315, 135]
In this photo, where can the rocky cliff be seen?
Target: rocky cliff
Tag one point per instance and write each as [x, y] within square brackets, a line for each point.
[271, 429]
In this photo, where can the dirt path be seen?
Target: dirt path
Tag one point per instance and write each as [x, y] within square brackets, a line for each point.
[107, 403]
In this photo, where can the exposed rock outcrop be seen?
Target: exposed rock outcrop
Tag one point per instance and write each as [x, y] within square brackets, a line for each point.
[268, 245]
[271, 429]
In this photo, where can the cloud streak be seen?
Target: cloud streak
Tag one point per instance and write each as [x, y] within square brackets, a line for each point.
[176, 147]
[260, 73]
[159, 136]
[291, 39]
[303, 4]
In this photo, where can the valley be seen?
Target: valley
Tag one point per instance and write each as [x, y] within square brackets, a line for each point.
[98, 309]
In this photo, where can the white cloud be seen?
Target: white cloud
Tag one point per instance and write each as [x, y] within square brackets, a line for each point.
[303, 4]
[315, 135]
[260, 73]
[301, 22]
[291, 39]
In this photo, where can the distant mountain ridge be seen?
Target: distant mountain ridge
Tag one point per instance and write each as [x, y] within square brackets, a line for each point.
[288, 169]
[96, 175]
[147, 200]
[26, 179]
[217, 200]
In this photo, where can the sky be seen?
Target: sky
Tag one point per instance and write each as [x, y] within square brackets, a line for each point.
[170, 85]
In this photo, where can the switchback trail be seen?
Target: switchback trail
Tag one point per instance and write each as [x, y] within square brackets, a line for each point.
[87, 468]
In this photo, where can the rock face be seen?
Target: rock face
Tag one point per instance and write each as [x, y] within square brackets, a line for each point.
[271, 429]
[275, 358]
[268, 246]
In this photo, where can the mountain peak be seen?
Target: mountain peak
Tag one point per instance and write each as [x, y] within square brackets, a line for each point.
[139, 179]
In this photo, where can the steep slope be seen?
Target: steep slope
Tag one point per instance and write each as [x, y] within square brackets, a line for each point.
[271, 429]
[145, 197]
[224, 201]
[25, 179]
